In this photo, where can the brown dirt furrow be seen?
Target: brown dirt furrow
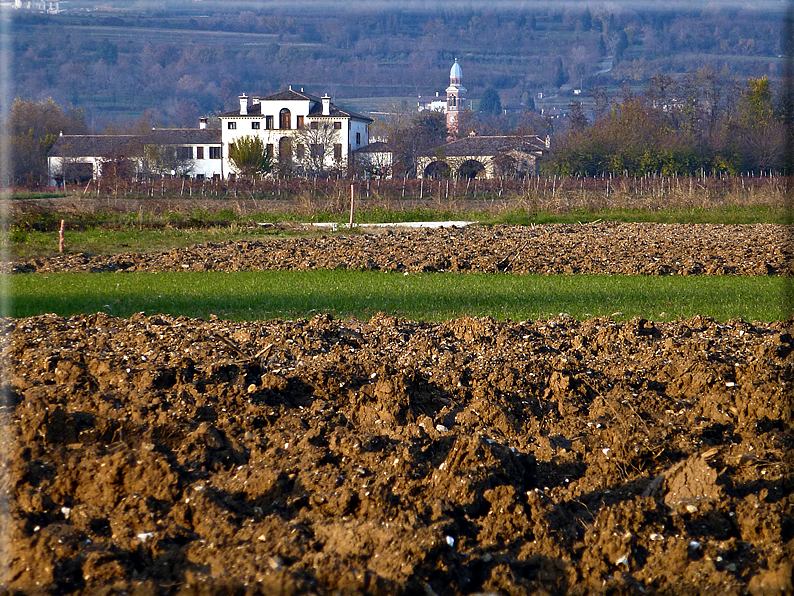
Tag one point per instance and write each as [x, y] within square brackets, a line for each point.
[611, 248]
[162, 455]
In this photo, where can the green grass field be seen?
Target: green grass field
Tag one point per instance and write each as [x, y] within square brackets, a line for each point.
[429, 297]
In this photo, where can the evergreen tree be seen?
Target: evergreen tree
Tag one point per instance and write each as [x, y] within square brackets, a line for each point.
[586, 20]
[577, 117]
[249, 157]
[490, 102]
[560, 78]
[621, 47]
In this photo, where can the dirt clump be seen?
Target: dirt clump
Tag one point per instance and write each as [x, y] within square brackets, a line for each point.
[162, 455]
[595, 248]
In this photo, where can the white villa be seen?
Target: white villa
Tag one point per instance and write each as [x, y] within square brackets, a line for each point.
[302, 133]
[307, 134]
[48, 6]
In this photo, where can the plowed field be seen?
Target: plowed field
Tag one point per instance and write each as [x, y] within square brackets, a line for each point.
[161, 455]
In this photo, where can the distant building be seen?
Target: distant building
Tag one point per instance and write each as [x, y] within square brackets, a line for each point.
[434, 104]
[484, 157]
[453, 103]
[194, 152]
[301, 131]
[49, 6]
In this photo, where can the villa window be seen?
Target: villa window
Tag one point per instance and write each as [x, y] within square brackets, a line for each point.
[337, 151]
[300, 121]
[285, 119]
[199, 152]
[269, 122]
[215, 153]
[255, 125]
[232, 126]
[184, 152]
[337, 126]
[358, 138]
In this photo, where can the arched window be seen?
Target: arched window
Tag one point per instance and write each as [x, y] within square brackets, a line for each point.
[470, 169]
[285, 119]
[285, 149]
[437, 169]
[452, 100]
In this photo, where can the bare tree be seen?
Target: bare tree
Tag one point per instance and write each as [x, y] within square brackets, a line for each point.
[165, 160]
[318, 149]
[409, 133]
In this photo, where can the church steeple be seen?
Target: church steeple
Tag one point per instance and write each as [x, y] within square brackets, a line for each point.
[455, 98]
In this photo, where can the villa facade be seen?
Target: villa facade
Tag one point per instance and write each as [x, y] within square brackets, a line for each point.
[303, 134]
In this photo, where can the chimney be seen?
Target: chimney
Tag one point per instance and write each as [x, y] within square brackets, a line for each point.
[255, 100]
[326, 105]
[243, 105]
[202, 122]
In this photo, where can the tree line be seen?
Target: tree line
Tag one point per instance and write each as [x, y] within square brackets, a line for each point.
[680, 128]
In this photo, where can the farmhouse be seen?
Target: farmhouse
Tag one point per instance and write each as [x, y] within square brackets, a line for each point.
[192, 152]
[304, 134]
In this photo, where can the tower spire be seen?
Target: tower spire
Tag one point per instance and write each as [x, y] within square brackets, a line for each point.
[455, 97]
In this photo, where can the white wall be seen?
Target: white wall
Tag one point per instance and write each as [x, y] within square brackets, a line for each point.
[356, 126]
[206, 167]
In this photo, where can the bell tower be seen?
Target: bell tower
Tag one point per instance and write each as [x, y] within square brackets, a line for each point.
[455, 98]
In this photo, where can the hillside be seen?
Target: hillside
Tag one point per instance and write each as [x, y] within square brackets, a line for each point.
[193, 59]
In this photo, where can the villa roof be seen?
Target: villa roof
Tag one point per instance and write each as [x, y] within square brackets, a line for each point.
[376, 147]
[489, 145]
[316, 110]
[291, 95]
[94, 145]
[117, 145]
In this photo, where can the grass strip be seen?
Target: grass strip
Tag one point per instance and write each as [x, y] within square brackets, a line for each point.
[429, 297]
[36, 234]
[98, 241]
